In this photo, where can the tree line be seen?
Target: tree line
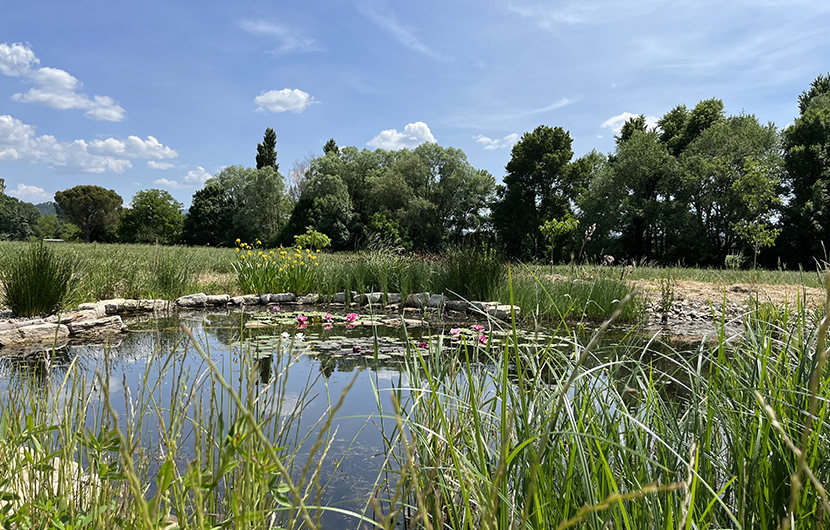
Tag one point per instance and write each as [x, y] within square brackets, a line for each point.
[695, 189]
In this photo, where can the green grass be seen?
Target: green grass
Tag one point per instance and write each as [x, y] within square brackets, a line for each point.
[37, 279]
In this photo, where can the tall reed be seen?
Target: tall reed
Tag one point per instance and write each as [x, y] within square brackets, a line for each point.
[38, 280]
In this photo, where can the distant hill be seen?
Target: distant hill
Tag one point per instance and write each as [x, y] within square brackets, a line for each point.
[46, 208]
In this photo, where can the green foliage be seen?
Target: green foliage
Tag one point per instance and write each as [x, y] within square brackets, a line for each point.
[92, 208]
[470, 273]
[209, 217]
[281, 270]
[38, 280]
[266, 152]
[312, 239]
[554, 227]
[153, 216]
[538, 186]
[18, 220]
[171, 277]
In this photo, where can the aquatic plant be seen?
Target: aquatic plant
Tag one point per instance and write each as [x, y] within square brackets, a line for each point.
[38, 280]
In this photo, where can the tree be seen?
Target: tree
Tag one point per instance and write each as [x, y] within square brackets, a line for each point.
[554, 227]
[154, 216]
[331, 147]
[266, 152]
[210, 217]
[325, 207]
[90, 207]
[264, 209]
[537, 187]
[807, 175]
[757, 190]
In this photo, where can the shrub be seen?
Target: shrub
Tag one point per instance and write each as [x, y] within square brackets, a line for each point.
[38, 280]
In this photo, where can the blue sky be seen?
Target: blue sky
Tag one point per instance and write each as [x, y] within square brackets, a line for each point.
[136, 95]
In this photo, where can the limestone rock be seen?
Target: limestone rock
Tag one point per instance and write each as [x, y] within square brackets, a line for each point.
[265, 298]
[218, 299]
[393, 298]
[504, 312]
[112, 324]
[309, 299]
[43, 332]
[417, 300]
[284, 298]
[456, 305]
[192, 300]
[436, 300]
[340, 298]
[113, 306]
[371, 298]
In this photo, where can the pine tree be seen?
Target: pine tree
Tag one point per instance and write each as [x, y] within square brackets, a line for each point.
[266, 152]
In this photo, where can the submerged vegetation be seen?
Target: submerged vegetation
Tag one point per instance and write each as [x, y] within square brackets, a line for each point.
[573, 432]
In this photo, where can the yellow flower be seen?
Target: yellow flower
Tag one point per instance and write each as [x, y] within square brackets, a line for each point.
[237, 249]
[302, 263]
[318, 250]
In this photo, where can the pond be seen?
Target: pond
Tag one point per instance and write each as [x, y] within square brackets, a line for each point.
[301, 364]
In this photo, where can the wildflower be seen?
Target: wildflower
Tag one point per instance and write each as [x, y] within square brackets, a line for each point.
[351, 317]
[477, 327]
[302, 319]
[328, 316]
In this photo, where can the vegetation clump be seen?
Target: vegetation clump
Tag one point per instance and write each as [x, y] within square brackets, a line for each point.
[38, 280]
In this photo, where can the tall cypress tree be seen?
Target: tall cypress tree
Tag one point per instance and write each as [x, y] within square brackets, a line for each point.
[266, 152]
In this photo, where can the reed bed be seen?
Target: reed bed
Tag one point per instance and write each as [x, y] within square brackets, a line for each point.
[580, 432]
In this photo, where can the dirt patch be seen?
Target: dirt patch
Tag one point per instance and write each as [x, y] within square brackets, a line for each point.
[737, 294]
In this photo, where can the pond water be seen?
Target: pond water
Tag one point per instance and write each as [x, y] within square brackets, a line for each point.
[303, 363]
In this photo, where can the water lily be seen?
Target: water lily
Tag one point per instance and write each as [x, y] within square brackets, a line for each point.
[302, 326]
[285, 335]
[477, 327]
[351, 317]
[275, 308]
[299, 337]
[482, 339]
[422, 344]
[455, 331]
[302, 319]
[327, 327]
[356, 348]
[350, 326]
[328, 316]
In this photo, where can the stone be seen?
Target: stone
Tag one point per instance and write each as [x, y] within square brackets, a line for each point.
[436, 300]
[283, 298]
[340, 298]
[237, 300]
[393, 298]
[309, 299]
[112, 324]
[504, 312]
[483, 307]
[43, 332]
[371, 298]
[265, 298]
[251, 299]
[456, 305]
[113, 306]
[10, 338]
[131, 306]
[218, 299]
[417, 300]
[153, 304]
[192, 300]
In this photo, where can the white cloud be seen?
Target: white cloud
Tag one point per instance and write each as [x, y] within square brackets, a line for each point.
[30, 193]
[491, 144]
[20, 143]
[195, 178]
[382, 15]
[53, 87]
[285, 100]
[615, 123]
[152, 164]
[412, 136]
[133, 147]
[290, 39]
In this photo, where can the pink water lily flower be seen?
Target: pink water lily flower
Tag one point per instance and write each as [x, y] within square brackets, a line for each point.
[422, 344]
[302, 326]
[477, 327]
[350, 326]
[328, 316]
[302, 319]
[482, 339]
[328, 326]
[351, 317]
[455, 331]
[275, 308]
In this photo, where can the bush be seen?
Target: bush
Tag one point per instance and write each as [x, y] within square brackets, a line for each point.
[38, 280]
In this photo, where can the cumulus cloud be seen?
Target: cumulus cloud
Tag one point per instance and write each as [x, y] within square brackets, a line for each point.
[195, 178]
[152, 164]
[285, 100]
[491, 144]
[615, 123]
[20, 143]
[133, 147]
[53, 87]
[29, 193]
[412, 136]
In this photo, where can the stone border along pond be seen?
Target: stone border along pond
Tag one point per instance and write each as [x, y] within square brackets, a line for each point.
[91, 321]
